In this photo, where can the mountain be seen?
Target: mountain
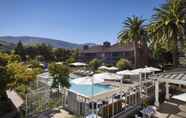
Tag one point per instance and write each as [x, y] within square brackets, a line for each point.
[29, 40]
[5, 46]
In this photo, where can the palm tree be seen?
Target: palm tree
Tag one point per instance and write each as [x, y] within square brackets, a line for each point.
[168, 25]
[133, 31]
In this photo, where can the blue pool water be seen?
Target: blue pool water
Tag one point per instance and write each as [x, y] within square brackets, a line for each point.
[87, 89]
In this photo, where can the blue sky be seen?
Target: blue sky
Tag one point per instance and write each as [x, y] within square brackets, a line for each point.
[78, 21]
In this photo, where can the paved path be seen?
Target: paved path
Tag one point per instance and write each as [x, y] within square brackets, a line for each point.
[172, 109]
[63, 114]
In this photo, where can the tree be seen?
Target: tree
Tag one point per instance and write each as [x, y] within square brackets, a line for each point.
[122, 64]
[20, 50]
[31, 51]
[12, 73]
[62, 54]
[4, 80]
[45, 51]
[71, 60]
[134, 31]
[168, 26]
[94, 64]
[75, 54]
[60, 74]
[20, 74]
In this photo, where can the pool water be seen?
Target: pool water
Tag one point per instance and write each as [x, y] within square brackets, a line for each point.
[87, 89]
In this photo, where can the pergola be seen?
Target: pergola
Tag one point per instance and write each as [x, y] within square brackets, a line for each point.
[178, 78]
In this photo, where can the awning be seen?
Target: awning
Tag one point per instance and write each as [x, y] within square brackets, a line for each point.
[181, 97]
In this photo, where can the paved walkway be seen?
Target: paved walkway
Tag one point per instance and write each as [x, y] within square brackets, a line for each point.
[63, 114]
[172, 109]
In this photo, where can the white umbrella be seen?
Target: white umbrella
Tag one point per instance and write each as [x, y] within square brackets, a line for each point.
[113, 68]
[141, 70]
[126, 72]
[59, 63]
[107, 76]
[78, 64]
[153, 69]
[87, 80]
[103, 67]
[108, 68]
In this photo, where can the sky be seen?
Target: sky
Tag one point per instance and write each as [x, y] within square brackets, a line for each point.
[77, 21]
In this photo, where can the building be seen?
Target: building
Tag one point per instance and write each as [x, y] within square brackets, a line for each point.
[111, 53]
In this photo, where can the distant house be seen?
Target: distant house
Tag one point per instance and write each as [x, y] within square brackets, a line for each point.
[111, 53]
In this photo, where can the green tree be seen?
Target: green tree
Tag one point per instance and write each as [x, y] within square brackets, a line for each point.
[168, 26]
[62, 54]
[20, 50]
[122, 64]
[71, 60]
[12, 73]
[20, 74]
[75, 54]
[31, 52]
[134, 31]
[45, 52]
[60, 74]
[94, 64]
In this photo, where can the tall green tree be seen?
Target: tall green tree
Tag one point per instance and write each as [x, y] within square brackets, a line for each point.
[45, 52]
[168, 26]
[134, 32]
[20, 50]
[94, 64]
[13, 73]
[60, 74]
[62, 54]
[122, 64]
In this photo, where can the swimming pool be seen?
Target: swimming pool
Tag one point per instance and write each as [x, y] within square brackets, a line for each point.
[87, 89]
[82, 89]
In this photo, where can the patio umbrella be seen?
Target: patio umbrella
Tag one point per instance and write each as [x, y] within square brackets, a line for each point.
[141, 70]
[103, 67]
[108, 68]
[78, 64]
[87, 80]
[113, 68]
[107, 76]
[153, 69]
[126, 72]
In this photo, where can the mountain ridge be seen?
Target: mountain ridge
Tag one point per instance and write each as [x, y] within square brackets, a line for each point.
[31, 40]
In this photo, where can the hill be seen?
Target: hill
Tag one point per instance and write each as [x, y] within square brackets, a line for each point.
[5, 46]
[29, 40]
